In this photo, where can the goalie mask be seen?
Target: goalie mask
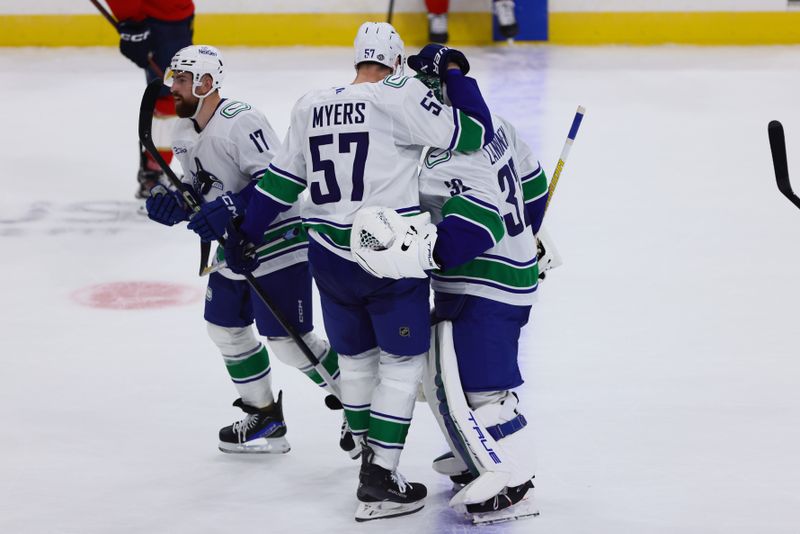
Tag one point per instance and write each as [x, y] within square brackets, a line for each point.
[379, 42]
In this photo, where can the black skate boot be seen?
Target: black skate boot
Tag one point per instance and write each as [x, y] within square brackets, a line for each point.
[383, 493]
[510, 504]
[506, 18]
[261, 431]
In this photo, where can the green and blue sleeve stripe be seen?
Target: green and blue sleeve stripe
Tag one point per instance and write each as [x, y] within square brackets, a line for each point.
[469, 227]
[534, 191]
[276, 192]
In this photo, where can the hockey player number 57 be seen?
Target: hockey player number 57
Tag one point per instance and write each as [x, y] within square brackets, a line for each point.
[346, 141]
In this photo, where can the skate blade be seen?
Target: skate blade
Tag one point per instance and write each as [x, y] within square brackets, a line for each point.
[521, 510]
[368, 511]
[260, 446]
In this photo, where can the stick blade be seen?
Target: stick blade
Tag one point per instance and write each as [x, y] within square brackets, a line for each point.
[777, 143]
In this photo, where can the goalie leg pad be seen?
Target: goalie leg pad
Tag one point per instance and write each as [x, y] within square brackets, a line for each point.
[472, 442]
[497, 412]
[247, 362]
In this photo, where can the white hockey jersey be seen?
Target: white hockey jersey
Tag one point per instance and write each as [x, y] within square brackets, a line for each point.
[234, 148]
[359, 145]
[488, 189]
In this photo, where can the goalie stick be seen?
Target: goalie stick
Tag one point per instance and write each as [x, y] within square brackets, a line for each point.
[146, 137]
[573, 131]
[777, 144]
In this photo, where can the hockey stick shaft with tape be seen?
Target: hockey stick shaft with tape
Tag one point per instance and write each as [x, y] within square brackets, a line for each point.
[145, 136]
[777, 144]
[573, 132]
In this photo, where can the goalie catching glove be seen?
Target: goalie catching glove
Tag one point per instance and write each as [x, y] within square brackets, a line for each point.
[388, 245]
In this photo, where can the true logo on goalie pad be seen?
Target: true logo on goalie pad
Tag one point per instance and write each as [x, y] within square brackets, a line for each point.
[482, 438]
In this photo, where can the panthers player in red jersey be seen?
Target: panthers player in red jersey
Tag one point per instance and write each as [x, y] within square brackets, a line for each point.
[437, 19]
[151, 32]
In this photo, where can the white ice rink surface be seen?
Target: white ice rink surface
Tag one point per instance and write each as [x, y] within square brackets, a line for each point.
[662, 362]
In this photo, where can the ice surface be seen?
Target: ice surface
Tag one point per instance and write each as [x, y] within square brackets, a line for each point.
[662, 362]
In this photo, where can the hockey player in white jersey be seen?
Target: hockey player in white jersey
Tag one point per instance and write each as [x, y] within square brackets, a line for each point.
[353, 146]
[224, 147]
[486, 208]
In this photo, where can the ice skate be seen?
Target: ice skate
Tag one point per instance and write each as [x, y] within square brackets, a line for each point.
[506, 18]
[261, 431]
[383, 493]
[509, 505]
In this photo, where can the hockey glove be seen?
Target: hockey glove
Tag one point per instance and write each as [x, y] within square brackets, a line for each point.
[210, 222]
[433, 60]
[240, 253]
[166, 207]
[388, 245]
[134, 41]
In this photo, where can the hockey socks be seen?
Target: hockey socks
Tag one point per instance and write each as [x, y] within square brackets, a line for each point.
[250, 373]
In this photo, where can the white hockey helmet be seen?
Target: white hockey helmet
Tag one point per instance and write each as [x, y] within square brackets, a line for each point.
[199, 60]
[379, 42]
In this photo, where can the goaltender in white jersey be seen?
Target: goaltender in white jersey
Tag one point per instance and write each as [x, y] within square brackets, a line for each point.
[508, 271]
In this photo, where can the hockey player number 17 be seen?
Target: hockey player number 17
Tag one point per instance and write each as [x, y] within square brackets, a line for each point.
[345, 140]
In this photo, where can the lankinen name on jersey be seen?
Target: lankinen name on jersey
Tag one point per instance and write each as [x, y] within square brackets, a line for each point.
[498, 146]
[337, 114]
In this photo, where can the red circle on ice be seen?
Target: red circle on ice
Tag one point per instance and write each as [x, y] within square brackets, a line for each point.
[136, 295]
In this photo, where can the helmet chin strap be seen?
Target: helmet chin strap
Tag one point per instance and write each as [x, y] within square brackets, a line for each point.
[199, 101]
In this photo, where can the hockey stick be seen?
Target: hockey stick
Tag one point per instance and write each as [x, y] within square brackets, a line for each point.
[390, 14]
[290, 234]
[111, 20]
[145, 136]
[777, 143]
[573, 131]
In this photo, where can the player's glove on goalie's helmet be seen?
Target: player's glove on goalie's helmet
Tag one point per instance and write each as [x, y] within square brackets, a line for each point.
[434, 58]
[379, 42]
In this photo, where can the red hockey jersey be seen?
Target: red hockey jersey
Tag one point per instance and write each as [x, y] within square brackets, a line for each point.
[169, 10]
